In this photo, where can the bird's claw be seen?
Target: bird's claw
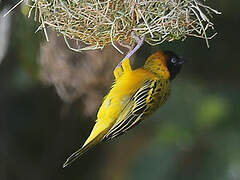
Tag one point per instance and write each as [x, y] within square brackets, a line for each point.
[131, 52]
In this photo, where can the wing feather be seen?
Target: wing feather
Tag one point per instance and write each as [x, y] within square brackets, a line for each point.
[133, 112]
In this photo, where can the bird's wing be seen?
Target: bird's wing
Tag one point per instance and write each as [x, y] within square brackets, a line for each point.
[133, 111]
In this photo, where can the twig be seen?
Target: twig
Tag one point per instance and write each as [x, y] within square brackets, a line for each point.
[10, 10]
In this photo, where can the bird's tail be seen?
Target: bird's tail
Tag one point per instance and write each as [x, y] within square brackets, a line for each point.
[77, 154]
[82, 150]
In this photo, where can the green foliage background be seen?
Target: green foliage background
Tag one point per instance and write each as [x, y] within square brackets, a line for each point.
[194, 136]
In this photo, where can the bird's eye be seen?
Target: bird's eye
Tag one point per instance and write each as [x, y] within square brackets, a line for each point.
[173, 60]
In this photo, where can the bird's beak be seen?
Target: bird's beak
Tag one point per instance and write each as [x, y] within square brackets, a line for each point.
[181, 61]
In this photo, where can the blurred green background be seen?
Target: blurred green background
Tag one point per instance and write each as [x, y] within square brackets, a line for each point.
[194, 136]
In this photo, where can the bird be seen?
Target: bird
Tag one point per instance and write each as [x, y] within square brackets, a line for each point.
[133, 97]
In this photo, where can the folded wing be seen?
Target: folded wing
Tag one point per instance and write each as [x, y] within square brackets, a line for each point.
[133, 112]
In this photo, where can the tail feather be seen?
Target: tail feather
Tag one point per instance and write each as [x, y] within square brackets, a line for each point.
[78, 153]
[82, 150]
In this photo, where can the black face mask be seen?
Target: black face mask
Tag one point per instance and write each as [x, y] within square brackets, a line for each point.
[174, 64]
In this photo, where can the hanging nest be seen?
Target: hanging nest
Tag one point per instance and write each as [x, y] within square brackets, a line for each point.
[98, 23]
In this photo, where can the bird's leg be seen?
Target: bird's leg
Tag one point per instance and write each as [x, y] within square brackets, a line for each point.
[139, 44]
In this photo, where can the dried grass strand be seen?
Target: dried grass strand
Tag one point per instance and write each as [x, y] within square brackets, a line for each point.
[98, 23]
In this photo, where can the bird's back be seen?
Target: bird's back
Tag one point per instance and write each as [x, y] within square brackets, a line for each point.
[121, 92]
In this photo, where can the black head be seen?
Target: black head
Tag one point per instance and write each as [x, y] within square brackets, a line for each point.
[174, 64]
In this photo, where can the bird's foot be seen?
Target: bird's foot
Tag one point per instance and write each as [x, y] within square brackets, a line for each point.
[139, 42]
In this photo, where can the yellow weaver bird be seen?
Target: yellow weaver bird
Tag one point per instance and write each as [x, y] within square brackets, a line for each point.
[135, 95]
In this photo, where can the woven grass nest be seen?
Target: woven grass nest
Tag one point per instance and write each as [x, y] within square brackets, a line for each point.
[98, 23]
